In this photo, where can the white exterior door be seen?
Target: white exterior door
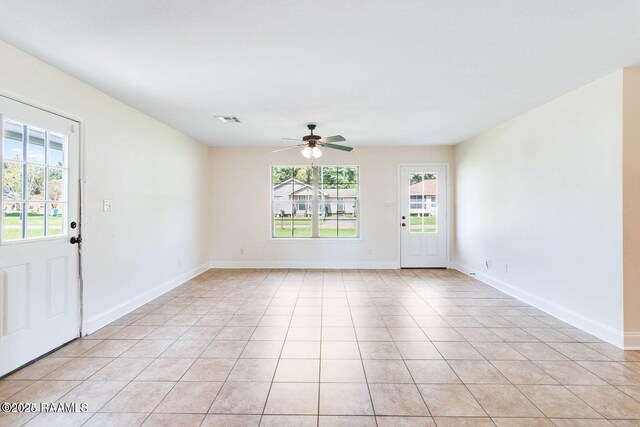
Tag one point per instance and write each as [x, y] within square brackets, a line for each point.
[39, 275]
[423, 216]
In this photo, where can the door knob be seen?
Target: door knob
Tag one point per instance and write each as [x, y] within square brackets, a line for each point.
[403, 224]
[76, 240]
[403, 217]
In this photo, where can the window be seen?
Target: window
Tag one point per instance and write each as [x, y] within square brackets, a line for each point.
[423, 208]
[315, 201]
[34, 188]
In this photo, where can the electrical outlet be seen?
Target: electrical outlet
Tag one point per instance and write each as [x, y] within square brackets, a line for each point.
[241, 251]
[487, 263]
[370, 251]
[505, 268]
[107, 205]
[179, 262]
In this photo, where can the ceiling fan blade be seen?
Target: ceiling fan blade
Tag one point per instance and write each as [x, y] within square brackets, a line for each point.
[293, 139]
[334, 138]
[288, 148]
[337, 147]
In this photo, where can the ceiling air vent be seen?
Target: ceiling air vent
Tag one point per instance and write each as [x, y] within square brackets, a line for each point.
[228, 119]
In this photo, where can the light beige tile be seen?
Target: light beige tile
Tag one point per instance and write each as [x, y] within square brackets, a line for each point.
[497, 351]
[523, 372]
[110, 348]
[346, 421]
[79, 369]
[39, 369]
[58, 419]
[345, 399]
[503, 401]
[173, 420]
[241, 398]
[417, 350]
[342, 371]
[253, 370]
[189, 397]
[450, 400]
[44, 391]
[231, 421]
[186, 348]
[262, 350]
[378, 350]
[397, 399]
[148, 348]
[340, 350]
[613, 373]
[139, 396]
[387, 371]
[298, 370]
[523, 422]
[288, 421]
[432, 372]
[165, 370]
[458, 350]
[477, 372]
[569, 373]
[224, 349]
[293, 399]
[11, 387]
[557, 401]
[463, 422]
[209, 370]
[608, 401]
[95, 394]
[122, 368]
[116, 419]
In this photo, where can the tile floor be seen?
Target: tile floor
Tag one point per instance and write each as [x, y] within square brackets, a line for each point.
[334, 348]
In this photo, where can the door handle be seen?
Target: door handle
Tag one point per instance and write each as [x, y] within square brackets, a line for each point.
[403, 224]
[404, 217]
[76, 240]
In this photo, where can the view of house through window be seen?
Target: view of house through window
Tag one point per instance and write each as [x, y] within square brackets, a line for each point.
[315, 201]
[34, 172]
[423, 206]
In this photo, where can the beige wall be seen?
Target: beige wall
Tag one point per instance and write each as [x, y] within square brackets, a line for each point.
[631, 204]
[542, 193]
[157, 178]
[241, 207]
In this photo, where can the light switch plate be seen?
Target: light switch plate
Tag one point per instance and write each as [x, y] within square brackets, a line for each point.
[107, 205]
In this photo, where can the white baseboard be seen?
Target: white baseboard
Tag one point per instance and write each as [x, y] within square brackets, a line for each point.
[306, 264]
[96, 322]
[632, 341]
[579, 320]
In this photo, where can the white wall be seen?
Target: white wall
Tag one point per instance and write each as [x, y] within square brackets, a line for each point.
[543, 194]
[241, 208]
[156, 177]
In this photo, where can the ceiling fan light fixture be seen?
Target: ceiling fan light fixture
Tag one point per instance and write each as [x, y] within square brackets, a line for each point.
[311, 153]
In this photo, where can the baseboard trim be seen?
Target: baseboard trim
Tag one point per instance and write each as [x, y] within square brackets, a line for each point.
[108, 316]
[594, 327]
[632, 341]
[306, 264]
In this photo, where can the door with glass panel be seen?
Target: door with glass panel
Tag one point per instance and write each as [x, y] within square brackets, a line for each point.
[39, 275]
[423, 216]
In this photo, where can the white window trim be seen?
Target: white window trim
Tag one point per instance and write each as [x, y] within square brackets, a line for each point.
[271, 237]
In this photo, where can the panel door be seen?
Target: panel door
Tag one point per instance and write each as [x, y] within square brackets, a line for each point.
[39, 267]
[423, 216]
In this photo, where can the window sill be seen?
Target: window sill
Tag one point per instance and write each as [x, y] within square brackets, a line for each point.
[315, 239]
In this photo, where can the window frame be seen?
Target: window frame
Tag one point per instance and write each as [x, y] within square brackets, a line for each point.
[25, 200]
[272, 199]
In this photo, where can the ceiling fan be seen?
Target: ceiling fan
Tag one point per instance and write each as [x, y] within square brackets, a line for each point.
[312, 144]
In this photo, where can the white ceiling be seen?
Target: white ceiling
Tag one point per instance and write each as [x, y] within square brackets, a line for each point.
[379, 72]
